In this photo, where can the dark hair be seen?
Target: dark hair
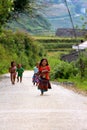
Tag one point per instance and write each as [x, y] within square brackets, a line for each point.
[42, 61]
[12, 63]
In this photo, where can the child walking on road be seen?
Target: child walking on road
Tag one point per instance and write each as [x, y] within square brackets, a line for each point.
[35, 78]
[12, 71]
[20, 71]
[44, 70]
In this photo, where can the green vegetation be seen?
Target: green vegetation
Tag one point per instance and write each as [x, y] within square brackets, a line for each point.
[23, 15]
[28, 15]
[53, 43]
[67, 72]
[34, 25]
[25, 49]
[20, 47]
[63, 71]
[5, 9]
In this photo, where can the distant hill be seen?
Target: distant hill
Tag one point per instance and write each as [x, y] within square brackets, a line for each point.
[34, 25]
[55, 16]
[58, 16]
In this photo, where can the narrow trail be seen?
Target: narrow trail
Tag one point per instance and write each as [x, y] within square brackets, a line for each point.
[22, 107]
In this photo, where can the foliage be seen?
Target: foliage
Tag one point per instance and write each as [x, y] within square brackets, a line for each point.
[82, 64]
[55, 43]
[20, 5]
[4, 58]
[5, 9]
[30, 6]
[74, 76]
[20, 47]
[64, 70]
[68, 72]
[23, 14]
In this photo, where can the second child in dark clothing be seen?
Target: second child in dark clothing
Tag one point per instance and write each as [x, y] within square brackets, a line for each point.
[35, 78]
[20, 71]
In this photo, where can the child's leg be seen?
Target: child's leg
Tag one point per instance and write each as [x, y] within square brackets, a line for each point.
[17, 78]
[33, 79]
[37, 83]
[20, 79]
[11, 77]
[42, 91]
[14, 77]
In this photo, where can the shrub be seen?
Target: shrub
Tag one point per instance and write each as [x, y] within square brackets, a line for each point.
[20, 47]
[64, 70]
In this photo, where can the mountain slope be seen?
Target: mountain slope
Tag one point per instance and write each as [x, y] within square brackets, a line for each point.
[58, 16]
[34, 25]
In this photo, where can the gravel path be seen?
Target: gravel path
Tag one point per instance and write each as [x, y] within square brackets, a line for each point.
[22, 107]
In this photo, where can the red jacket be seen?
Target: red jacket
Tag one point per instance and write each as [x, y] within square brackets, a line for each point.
[44, 71]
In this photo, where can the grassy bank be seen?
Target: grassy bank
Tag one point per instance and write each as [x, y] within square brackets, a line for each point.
[79, 84]
[55, 47]
[19, 47]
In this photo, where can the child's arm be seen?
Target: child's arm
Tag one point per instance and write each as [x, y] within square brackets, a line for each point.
[43, 71]
[23, 69]
[46, 70]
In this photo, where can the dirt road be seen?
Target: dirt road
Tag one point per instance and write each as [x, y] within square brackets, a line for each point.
[22, 107]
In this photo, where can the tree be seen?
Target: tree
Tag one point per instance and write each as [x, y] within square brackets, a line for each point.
[5, 9]
[21, 5]
[26, 5]
[13, 10]
[9, 6]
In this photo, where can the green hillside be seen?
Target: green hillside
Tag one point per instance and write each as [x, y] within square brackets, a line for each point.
[58, 15]
[55, 16]
[19, 47]
[34, 25]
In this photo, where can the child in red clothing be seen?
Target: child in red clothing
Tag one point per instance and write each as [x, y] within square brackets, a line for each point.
[44, 70]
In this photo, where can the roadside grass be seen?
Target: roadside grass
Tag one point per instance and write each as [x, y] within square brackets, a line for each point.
[54, 59]
[80, 84]
[55, 47]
